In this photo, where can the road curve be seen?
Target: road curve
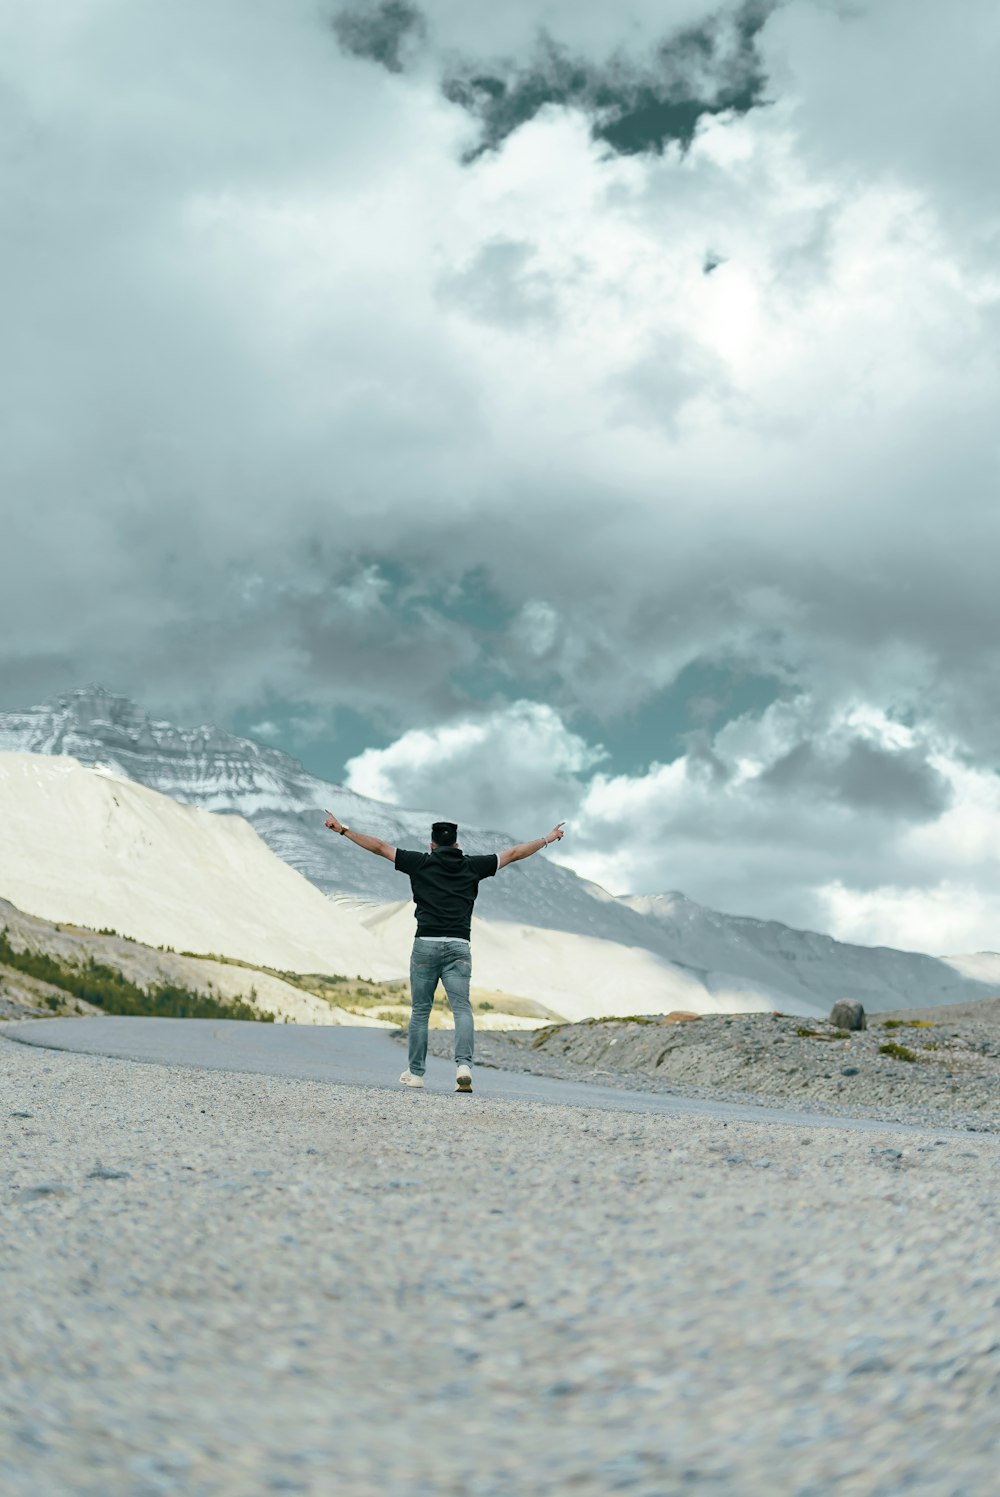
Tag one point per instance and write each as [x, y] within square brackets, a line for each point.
[369, 1057]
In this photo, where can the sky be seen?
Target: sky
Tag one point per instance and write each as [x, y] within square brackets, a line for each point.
[551, 411]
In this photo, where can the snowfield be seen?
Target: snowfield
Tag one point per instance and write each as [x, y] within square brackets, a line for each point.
[90, 849]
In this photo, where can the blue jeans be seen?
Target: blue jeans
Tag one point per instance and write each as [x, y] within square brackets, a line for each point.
[451, 962]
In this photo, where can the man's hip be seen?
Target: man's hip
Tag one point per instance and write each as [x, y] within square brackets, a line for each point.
[447, 959]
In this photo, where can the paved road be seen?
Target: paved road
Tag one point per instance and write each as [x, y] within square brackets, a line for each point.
[368, 1057]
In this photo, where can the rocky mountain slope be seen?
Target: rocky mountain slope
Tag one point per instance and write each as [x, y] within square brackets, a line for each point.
[715, 961]
[766, 952]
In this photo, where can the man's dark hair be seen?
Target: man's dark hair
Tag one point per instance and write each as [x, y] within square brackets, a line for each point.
[444, 833]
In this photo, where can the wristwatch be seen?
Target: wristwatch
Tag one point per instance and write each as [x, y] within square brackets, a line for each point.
[344, 829]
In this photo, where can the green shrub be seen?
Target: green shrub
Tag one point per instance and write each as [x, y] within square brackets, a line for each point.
[898, 1052]
[106, 988]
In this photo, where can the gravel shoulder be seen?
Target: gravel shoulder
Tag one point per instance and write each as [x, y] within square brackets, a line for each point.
[934, 1067]
[236, 1284]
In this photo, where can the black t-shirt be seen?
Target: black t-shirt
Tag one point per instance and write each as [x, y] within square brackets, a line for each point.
[445, 884]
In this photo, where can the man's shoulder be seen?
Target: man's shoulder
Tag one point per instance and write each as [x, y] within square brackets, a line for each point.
[410, 860]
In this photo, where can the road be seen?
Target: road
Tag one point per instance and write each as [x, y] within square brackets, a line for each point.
[369, 1057]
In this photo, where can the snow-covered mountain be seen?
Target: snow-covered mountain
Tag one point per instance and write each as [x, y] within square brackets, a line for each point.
[218, 771]
[84, 847]
[721, 960]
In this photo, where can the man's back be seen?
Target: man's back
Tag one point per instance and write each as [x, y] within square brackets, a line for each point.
[445, 883]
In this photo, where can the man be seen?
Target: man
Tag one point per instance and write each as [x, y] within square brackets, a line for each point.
[444, 883]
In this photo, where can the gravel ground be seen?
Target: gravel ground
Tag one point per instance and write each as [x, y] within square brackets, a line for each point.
[944, 1065]
[272, 1285]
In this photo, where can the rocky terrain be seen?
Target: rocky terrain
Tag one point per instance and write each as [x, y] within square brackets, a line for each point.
[215, 1285]
[909, 1066]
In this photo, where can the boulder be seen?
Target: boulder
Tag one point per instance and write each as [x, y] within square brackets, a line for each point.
[848, 1014]
[679, 1016]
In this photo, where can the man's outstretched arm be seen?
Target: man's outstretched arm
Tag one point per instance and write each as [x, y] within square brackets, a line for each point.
[370, 844]
[525, 849]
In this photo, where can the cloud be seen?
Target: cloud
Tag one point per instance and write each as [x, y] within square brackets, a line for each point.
[708, 70]
[877, 834]
[310, 417]
[864, 776]
[500, 285]
[383, 32]
[952, 918]
[513, 769]
[916, 121]
[897, 848]
[711, 66]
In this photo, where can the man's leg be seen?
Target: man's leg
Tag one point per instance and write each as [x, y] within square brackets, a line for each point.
[425, 969]
[456, 975]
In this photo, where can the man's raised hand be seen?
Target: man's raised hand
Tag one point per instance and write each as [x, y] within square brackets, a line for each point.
[332, 823]
[556, 834]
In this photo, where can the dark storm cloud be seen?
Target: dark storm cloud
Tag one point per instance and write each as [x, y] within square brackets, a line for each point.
[381, 33]
[702, 760]
[864, 777]
[708, 69]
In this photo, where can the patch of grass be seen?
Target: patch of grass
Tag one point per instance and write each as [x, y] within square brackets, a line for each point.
[907, 1024]
[368, 998]
[108, 989]
[400, 1016]
[542, 1035]
[805, 1033]
[898, 1052]
[624, 1019]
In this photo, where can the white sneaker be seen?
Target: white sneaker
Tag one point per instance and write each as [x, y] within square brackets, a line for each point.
[463, 1079]
[408, 1079]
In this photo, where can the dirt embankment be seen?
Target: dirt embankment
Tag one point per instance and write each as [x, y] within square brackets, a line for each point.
[905, 1064]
